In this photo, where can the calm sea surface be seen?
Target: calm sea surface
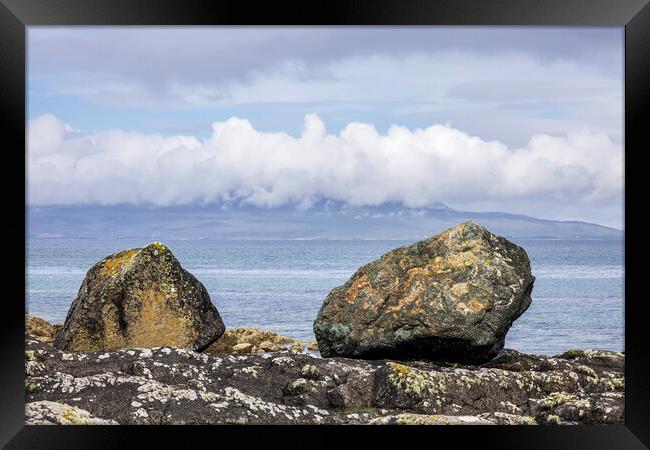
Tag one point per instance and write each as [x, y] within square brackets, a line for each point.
[280, 285]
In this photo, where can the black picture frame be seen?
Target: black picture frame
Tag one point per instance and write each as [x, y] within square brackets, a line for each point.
[16, 15]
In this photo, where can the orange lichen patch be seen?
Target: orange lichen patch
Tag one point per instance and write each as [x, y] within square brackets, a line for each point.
[419, 271]
[358, 285]
[112, 266]
[460, 289]
[476, 305]
[460, 260]
[158, 324]
[438, 267]
[473, 306]
[412, 296]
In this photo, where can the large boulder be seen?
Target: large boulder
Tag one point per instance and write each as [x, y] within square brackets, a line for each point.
[451, 297]
[140, 298]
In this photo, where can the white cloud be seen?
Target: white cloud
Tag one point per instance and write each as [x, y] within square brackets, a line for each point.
[359, 166]
[46, 134]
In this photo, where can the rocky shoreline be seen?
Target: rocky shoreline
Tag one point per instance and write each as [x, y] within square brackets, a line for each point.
[167, 385]
[414, 337]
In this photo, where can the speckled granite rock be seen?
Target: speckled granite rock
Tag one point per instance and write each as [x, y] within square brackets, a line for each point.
[452, 297]
[140, 298]
[175, 386]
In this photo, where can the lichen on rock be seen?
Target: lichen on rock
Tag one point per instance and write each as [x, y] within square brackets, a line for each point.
[251, 340]
[166, 385]
[140, 298]
[451, 297]
[41, 329]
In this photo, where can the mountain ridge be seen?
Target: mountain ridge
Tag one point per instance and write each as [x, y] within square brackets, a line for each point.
[329, 221]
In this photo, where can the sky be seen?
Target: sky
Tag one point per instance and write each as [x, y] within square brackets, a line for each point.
[525, 120]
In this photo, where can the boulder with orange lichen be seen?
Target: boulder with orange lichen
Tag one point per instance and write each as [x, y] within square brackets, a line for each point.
[450, 297]
[140, 298]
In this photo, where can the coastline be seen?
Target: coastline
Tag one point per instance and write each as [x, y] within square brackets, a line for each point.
[167, 385]
[414, 337]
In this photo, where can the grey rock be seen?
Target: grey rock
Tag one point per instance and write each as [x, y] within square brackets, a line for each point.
[166, 385]
[53, 413]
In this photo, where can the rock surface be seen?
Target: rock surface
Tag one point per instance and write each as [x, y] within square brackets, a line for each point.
[249, 340]
[53, 413]
[41, 329]
[140, 298]
[167, 385]
[451, 297]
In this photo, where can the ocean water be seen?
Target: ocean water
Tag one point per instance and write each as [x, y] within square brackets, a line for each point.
[280, 285]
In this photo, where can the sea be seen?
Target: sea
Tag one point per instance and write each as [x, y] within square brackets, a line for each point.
[280, 285]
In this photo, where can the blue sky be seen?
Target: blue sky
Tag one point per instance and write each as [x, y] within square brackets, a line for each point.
[525, 120]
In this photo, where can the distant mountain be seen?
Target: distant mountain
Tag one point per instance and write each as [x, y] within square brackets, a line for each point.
[325, 220]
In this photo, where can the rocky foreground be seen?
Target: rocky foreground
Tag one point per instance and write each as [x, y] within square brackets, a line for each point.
[144, 344]
[166, 385]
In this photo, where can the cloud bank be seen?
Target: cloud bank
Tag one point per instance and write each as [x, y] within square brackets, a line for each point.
[358, 166]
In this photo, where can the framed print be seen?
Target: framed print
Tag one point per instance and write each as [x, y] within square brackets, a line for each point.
[325, 219]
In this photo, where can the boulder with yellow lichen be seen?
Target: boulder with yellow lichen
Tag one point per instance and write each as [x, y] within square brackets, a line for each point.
[140, 298]
[451, 297]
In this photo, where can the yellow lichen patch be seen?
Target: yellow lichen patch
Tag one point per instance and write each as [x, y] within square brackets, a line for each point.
[413, 382]
[399, 368]
[157, 324]
[70, 415]
[158, 246]
[151, 323]
[113, 335]
[82, 340]
[113, 266]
